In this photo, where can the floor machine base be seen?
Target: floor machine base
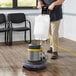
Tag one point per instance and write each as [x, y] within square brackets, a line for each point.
[34, 66]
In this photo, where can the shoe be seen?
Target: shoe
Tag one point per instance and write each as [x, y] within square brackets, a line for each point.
[50, 50]
[54, 55]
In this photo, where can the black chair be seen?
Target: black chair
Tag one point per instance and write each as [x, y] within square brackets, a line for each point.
[15, 18]
[4, 27]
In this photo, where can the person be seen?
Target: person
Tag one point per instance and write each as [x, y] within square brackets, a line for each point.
[55, 17]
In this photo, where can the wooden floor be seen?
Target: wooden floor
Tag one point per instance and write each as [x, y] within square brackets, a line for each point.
[11, 58]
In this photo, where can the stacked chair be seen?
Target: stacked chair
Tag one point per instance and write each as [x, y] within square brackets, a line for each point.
[4, 27]
[15, 18]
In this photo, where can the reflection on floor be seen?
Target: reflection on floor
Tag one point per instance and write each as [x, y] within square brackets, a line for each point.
[11, 58]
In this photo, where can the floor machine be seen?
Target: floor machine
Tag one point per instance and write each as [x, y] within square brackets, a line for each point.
[36, 60]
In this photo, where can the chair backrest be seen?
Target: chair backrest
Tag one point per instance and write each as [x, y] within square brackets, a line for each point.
[16, 17]
[2, 18]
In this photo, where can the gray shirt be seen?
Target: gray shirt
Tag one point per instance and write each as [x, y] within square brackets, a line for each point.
[56, 13]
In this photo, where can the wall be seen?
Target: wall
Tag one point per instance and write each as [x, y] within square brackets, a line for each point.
[69, 19]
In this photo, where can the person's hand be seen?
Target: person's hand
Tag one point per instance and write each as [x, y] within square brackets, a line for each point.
[39, 6]
[51, 7]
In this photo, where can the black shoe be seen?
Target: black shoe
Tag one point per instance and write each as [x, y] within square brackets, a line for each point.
[54, 55]
[50, 50]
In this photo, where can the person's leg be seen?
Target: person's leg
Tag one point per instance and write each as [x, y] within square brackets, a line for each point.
[50, 49]
[55, 39]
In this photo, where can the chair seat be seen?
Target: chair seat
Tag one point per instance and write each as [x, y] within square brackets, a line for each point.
[20, 29]
[3, 29]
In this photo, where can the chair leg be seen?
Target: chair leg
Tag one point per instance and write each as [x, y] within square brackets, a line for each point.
[5, 37]
[10, 38]
[30, 35]
[25, 36]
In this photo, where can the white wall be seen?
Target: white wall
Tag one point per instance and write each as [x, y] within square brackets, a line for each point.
[69, 6]
[69, 19]
[30, 15]
[70, 27]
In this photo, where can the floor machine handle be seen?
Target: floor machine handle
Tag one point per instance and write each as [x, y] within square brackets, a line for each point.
[45, 10]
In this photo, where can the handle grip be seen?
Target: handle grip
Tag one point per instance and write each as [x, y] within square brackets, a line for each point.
[45, 10]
